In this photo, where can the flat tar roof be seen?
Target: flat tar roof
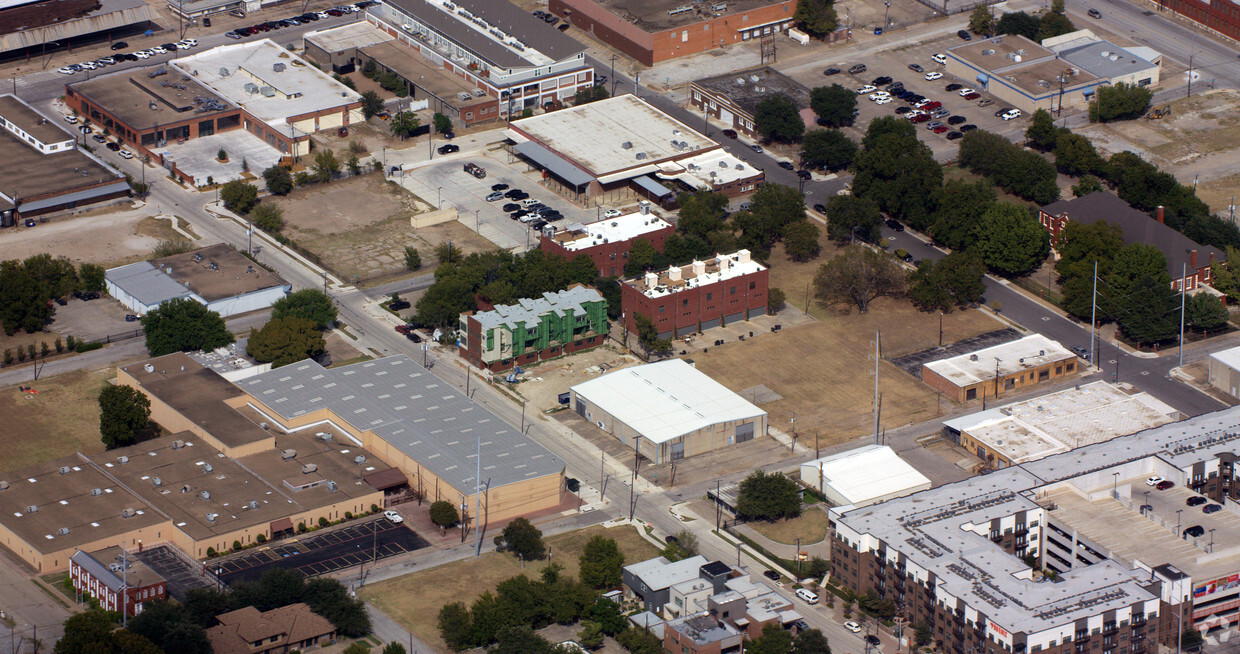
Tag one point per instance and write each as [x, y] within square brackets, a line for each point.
[1064, 420]
[665, 400]
[233, 274]
[746, 88]
[1012, 357]
[28, 173]
[1022, 63]
[868, 473]
[32, 122]
[352, 35]
[415, 412]
[656, 15]
[613, 135]
[297, 86]
[145, 102]
[434, 79]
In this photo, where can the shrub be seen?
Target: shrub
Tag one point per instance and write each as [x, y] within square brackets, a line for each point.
[211, 553]
[30, 351]
[236, 546]
[44, 349]
[60, 345]
[444, 514]
[71, 342]
[301, 528]
[348, 515]
[86, 347]
[260, 539]
[323, 522]
[374, 508]
[8, 357]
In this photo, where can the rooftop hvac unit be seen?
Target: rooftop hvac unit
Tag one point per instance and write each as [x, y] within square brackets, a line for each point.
[1044, 84]
[122, 460]
[114, 567]
[4, 485]
[288, 454]
[251, 88]
[96, 492]
[972, 357]
[308, 468]
[719, 7]
[214, 266]
[212, 516]
[723, 164]
[332, 487]
[1105, 54]
[149, 368]
[740, 166]
[32, 509]
[478, 93]
[267, 92]
[253, 504]
[176, 445]
[198, 255]
[64, 470]
[359, 459]
[207, 467]
[740, 81]
[753, 78]
[326, 437]
[157, 482]
[627, 145]
[641, 155]
[463, 96]
[987, 52]
[223, 71]
[128, 513]
[206, 495]
[277, 67]
[63, 531]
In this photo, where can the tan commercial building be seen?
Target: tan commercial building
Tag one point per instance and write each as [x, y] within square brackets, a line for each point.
[999, 369]
[669, 410]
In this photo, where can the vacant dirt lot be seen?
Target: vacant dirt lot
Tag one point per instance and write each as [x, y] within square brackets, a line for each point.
[112, 238]
[365, 241]
[414, 600]
[62, 418]
[824, 370]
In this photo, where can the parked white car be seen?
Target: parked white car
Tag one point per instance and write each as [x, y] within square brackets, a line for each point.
[394, 516]
[940, 58]
[1015, 113]
[125, 154]
[881, 94]
[883, 100]
[930, 77]
[66, 71]
[867, 89]
[611, 213]
[852, 626]
[964, 92]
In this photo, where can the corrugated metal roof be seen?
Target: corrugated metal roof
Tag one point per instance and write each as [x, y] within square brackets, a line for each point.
[115, 14]
[146, 283]
[77, 196]
[553, 162]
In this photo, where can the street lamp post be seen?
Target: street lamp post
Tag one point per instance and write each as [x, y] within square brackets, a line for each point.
[886, 12]
[439, 198]
[1177, 521]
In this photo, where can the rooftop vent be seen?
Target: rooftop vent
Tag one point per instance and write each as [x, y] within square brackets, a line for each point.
[63, 531]
[223, 71]
[332, 486]
[206, 495]
[972, 357]
[753, 78]
[987, 52]
[641, 155]
[212, 516]
[176, 445]
[96, 492]
[740, 81]
[308, 468]
[157, 482]
[122, 460]
[64, 470]
[627, 145]
[277, 67]
[324, 436]
[359, 459]
[288, 454]
[149, 368]
[207, 467]
[253, 504]
[128, 513]
[32, 509]
[4, 485]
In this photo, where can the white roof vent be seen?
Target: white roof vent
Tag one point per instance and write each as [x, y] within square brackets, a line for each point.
[32, 509]
[740, 81]
[359, 459]
[309, 468]
[253, 504]
[206, 495]
[128, 513]
[288, 454]
[176, 445]
[96, 492]
[1105, 54]
[157, 482]
[122, 460]
[212, 516]
[4, 485]
[331, 486]
[753, 78]
[64, 470]
[149, 368]
[207, 467]
[63, 531]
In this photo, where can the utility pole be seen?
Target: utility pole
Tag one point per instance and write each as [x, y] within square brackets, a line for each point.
[637, 463]
[1183, 287]
[478, 497]
[1093, 315]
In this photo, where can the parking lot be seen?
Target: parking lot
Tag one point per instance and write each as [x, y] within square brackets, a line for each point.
[94, 319]
[446, 182]
[895, 63]
[318, 554]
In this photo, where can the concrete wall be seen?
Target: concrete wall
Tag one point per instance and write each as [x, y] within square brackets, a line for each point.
[1224, 377]
[428, 218]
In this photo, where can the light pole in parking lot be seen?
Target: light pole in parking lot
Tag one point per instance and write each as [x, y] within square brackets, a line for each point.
[476, 228]
[1177, 521]
[439, 198]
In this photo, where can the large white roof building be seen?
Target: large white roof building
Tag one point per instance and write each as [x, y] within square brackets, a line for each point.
[864, 476]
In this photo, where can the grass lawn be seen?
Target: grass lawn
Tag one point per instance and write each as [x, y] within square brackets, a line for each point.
[414, 600]
[810, 527]
[62, 418]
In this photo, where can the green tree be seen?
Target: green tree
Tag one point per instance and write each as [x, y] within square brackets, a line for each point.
[777, 118]
[816, 17]
[1042, 132]
[456, 626]
[357, 647]
[372, 104]
[239, 196]
[638, 641]
[312, 304]
[982, 20]
[850, 218]
[442, 123]
[1010, 241]
[394, 648]
[897, 171]
[95, 632]
[1151, 313]
[702, 212]
[1086, 185]
[1052, 24]
[833, 104]
[591, 635]
[326, 165]
[91, 277]
[1120, 101]
[1225, 274]
[601, 562]
[771, 209]
[1019, 22]
[404, 124]
[648, 336]
[956, 280]
[170, 627]
[444, 514]
[680, 546]
[1075, 155]
[413, 259]
[524, 539]
[810, 641]
[775, 299]
[768, 496]
[278, 179]
[1019, 171]
[123, 413]
[960, 207]
[183, 325]
[858, 275]
[56, 276]
[642, 257]
[286, 340]
[268, 217]
[774, 640]
[23, 300]
[521, 640]
[1205, 311]
[445, 253]
[588, 94]
[827, 148]
[1080, 245]
[801, 241]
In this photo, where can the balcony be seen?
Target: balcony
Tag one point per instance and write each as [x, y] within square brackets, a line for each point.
[1109, 628]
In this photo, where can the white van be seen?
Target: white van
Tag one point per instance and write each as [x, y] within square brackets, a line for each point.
[809, 597]
[529, 202]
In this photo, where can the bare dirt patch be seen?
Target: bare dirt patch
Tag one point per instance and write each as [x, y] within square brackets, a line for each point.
[114, 238]
[545, 381]
[414, 600]
[359, 227]
[58, 420]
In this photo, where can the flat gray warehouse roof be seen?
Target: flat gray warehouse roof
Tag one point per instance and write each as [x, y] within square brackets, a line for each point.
[414, 411]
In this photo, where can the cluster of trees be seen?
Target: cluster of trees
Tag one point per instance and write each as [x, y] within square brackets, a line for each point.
[1120, 102]
[1134, 286]
[897, 171]
[124, 413]
[295, 331]
[183, 325]
[858, 275]
[777, 640]
[168, 626]
[28, 286]
[523, 539]
[816, 17]
[586, 95]
[1020, 172]
[768, 496]
[389, 81]
[1052, 23]
[777, 118]
[953, 281]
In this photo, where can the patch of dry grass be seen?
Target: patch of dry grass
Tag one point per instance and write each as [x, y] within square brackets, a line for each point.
[414, 600]
[62, 418]
[810, 527]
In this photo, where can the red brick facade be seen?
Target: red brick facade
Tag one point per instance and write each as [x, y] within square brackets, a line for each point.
[696, 308]
[1222, 17]
[111, 600]
[609, 258]
[652, 47]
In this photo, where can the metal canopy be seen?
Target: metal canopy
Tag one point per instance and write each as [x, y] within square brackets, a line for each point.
[554, 163]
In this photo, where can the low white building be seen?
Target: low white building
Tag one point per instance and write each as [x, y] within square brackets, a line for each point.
[219, 277]
[866, 475]
[1224, 371]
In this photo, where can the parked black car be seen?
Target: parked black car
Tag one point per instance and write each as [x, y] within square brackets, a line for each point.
[786, 165]
[953, 87]
[449, 149]
[120, 45]
[397, 305]
[512, 194]
[894, 225]
[956, 120]
[831, 71]
[964, 35]
[879, 81]
[968, 128]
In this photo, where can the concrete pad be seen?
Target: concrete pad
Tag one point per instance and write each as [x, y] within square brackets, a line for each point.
[197, 157]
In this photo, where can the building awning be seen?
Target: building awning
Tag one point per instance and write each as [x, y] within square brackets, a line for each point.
[648, 184]
[77, 196]
[283, 524]
[1087, 92]
[385, 479]
[552, 162]
[983, 78]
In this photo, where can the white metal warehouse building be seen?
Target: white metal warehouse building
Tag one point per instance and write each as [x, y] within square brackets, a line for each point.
[866, 475]
[669, 409]
[219, 277]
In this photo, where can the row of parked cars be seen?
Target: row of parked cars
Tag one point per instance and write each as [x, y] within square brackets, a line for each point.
[300, 19]
[71, 69]
[522, 207]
